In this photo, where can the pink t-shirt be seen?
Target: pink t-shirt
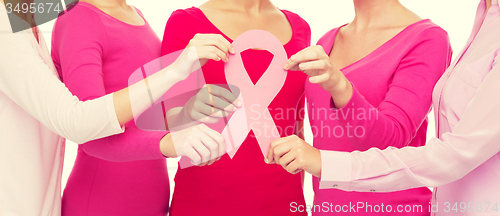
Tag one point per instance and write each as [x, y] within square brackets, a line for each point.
[244, 185]
[392, 98]
[124, 174]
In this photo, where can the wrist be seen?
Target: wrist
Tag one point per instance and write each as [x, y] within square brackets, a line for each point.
[342, 93]
[174, 74]
[167, 146]
[340, 87]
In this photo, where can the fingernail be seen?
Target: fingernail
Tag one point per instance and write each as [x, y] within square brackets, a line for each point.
[232, 50]
[293, 58]
[218, 58]
[312, 79]
[266, 160]
[286, 66]
[302, 67]
[239, 104]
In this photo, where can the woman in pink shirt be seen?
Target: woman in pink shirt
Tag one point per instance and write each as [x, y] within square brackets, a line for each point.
[96, 47]
[242, 185]
[390, 60]
[37, 112]
[462, 163]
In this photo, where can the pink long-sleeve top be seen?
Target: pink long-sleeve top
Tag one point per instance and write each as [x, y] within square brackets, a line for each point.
[125, 174]
[463, 162]
[389, 107]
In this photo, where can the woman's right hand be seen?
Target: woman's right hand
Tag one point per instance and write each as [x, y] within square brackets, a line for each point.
[201, 48]
[210, 104]
[200, 143]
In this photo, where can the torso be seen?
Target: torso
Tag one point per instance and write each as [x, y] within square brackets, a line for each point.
[351, 44]
[126, 14]
[233, 22]
[196, 191]
[372, 73]
[452, 97]
[143, 187]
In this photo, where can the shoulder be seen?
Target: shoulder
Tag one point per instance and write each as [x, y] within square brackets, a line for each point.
[81, 17]
[80, 27]
[328, 36]
[186, 15]
[425, 30]
[296, 20]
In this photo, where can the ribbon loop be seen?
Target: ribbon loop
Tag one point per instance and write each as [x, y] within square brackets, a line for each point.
[257, 97]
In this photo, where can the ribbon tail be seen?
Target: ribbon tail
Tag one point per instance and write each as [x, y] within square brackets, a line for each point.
[236, 130]
[265, 139]
[185, 162]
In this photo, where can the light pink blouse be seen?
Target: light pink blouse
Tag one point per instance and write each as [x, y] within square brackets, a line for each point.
[463, 163]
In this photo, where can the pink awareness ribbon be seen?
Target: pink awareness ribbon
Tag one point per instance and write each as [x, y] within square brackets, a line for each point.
[257, 97]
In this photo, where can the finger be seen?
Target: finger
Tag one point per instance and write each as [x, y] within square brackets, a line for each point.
[192, 154]
[217, 137]
[294, 167]
[320, 65]
[222, 104]
[321, 78]
[281, 150]
[202, 151]
[270, 154]
[201, 117]
[211, 145]
[228, 44]
[213, 112]
[287, 158]
[308, 54]
[214, 42]
[274, 144]
[225, 94]
[207, 53]
[220, 53]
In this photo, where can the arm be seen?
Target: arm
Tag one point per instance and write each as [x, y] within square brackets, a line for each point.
[80, 47]
[31, 84]
[50, 102]
[211, 102]
[299, 126]
[472, 142]
[397, 119]
[408, 101]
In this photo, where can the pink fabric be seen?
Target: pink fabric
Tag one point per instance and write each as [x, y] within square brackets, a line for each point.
[463, 163]
[244, 185]
[125, 174]
[392, 97]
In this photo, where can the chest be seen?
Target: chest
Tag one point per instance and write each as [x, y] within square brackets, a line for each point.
[125, 51]
[234, 24]
[351, 46]
[458, 86]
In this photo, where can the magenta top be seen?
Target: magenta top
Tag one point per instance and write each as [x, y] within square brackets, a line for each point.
[244, 185]
[124, 174]
[389, 107]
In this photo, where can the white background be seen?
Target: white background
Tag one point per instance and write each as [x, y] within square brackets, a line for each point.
[454, 16]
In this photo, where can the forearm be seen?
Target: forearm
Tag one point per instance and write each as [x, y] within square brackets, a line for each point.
[31, 84]
[383, 126]
[342, 92]
[133, 145]
[135, 99]
[299, 129]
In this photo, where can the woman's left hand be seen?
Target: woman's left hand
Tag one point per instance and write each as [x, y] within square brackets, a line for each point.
[295, 155]
[316, 63]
